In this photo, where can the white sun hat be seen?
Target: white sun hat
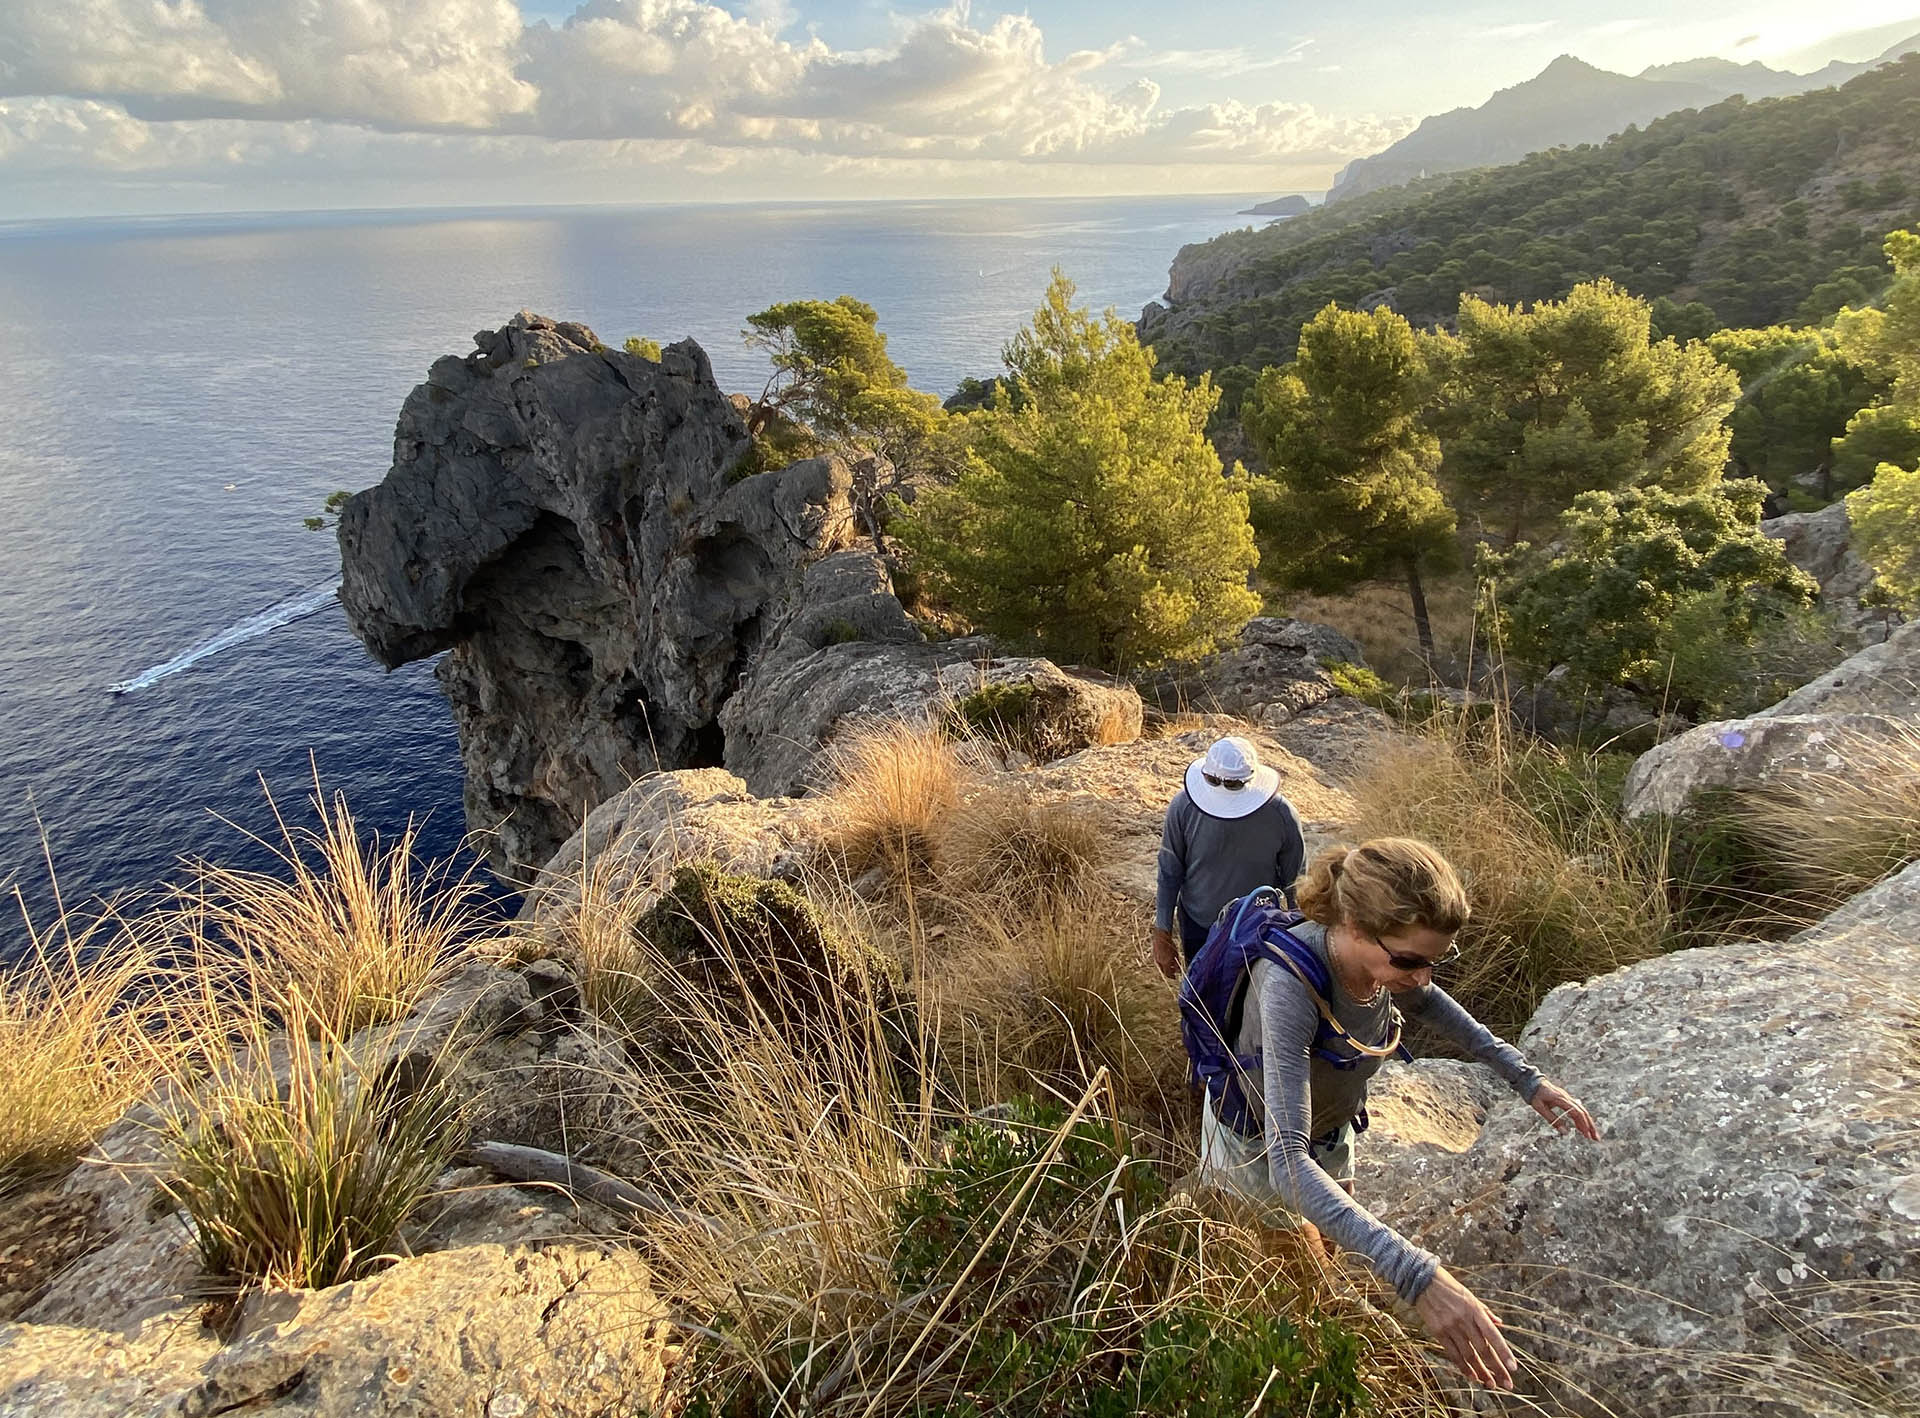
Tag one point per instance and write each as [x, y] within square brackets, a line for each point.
[1230, 781]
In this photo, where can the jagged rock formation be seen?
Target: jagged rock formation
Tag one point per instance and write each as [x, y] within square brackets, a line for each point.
[1872, 697]
[562, 518]
[1743, 1238]
[1277, 670]
[845, 651]
[1821, 544]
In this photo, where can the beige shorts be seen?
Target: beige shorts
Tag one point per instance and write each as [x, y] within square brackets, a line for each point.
[1238, 1164]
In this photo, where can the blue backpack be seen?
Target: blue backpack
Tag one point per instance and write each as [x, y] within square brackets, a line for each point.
[1213, 993]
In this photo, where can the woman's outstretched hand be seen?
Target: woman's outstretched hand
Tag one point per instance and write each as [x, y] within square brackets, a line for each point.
[1466, 1329]
[1564, 1111]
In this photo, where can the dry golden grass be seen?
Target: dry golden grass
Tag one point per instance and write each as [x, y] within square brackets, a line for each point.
[356, 932]
[1836, 834]
[788, 1168]
[1379, 619]
[1561, 890]
[1007, 845]
[84, 1031]
[894, 786]
[1036, 1001]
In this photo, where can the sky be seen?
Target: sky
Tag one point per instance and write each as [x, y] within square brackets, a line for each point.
[156, 106]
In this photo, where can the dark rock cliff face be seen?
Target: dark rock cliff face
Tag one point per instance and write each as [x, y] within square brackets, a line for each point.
[561, 518]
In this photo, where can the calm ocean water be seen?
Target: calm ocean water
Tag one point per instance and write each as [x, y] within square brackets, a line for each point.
[180, 393]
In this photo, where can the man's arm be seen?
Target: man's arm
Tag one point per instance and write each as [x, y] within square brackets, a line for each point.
[1290, 861]
[1173, 867]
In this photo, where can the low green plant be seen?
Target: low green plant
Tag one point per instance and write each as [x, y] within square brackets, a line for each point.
[297, 1166]
[841, 632]
[642, 347]
[1359, 682]
[1007, 713]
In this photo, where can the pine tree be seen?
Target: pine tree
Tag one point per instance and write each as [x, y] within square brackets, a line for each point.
[1351, 495]
[1091, 518]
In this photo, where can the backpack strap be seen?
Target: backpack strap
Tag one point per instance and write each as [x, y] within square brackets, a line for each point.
[1331, 1025]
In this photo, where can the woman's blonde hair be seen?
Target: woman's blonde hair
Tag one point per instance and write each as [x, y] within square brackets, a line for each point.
[1384, 885]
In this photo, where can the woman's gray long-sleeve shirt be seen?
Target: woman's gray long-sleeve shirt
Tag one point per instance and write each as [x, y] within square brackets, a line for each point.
[1305, 1097]
[1207, 861]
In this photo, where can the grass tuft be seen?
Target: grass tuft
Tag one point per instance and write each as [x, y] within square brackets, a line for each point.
[84, 1032]
[298, 1165]
[894, 786]
[356, 932]
[1836, 834]
[1561, 889]
[1007, 845]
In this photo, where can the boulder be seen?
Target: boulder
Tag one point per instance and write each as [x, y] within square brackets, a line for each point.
[1881, 679]
[1747, 755]
[1820, 544]
[1743, 1238]
[566, 521]
[1274, 672]
[631, 843]
[843, 650]
[562, 1331]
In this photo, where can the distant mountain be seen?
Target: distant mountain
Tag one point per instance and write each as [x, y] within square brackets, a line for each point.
[1571, 102]
[1742, 214]
[1291, 205]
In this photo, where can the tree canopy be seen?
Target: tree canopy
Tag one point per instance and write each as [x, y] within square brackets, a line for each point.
[1597, 600]
[1728, 208]
[1886, 532]
[1091, 517]
[1798, 391]
[1886, 342]
[1350, 496]
[1538, 405]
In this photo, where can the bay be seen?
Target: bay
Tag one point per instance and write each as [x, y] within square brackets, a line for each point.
[180, 393]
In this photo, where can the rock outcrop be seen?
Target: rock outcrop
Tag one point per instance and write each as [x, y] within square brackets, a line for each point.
[1820, 544]
[1743, 1238]
[564, 519]
[1276, 670]
[844, 651]
[1873, 697]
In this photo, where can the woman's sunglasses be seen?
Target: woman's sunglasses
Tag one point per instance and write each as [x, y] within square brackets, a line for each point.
[1401, 961]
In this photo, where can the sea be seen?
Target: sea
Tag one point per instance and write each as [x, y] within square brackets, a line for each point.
[177, 679]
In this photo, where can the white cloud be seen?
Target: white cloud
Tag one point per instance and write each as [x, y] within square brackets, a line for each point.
[393, 63]
[160, 81]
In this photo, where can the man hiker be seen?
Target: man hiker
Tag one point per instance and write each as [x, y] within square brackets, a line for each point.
[1228, 830]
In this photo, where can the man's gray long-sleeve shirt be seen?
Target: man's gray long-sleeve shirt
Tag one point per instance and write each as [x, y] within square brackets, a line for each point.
[1304, 1097]
[1207, 861]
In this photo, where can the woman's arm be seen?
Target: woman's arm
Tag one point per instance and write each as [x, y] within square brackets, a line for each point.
[1441, 1012]
[1287, 1023]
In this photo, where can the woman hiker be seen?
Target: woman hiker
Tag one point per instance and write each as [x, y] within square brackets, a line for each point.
[1380, 917]
[1228, 830]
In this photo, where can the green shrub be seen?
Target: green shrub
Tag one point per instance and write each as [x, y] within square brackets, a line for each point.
[1010, 714]
[1026, 1238]
[841, 632]
[305, 1181]
[1359, 682]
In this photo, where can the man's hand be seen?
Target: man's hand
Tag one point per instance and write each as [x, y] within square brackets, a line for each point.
[1564, 1111]
[1165, 954]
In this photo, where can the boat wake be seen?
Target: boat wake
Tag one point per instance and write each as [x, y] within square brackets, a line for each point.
[314, 598]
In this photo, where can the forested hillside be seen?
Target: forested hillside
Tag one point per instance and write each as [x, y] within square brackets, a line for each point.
[1738, 215]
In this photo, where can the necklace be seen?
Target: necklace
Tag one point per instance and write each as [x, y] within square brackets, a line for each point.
[1343, 974]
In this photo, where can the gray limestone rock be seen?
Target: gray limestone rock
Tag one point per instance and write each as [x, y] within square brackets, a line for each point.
[562, 518]
[1881, 679]
[1745, 755]
[1744, 1232]
[1820, 544]
[1274, 672]
[555, 1331]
